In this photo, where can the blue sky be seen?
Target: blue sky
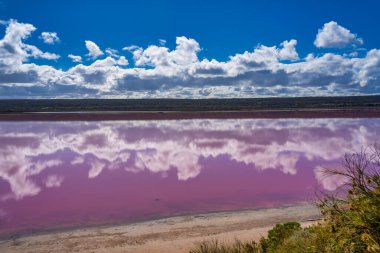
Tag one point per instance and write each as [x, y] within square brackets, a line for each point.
[224, 48]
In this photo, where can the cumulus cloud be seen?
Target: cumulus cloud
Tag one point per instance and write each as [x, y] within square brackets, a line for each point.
[112, 52]
[162, 58]
[93, 49]
[50, 37]
[13, 51]
[75, 58]
[333, 35]
[288, 52]
[159, 71]
[15, 55]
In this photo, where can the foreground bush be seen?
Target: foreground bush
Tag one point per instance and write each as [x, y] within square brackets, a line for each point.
[351, 221]
[354, 219]
[315, 239]
[278, 235]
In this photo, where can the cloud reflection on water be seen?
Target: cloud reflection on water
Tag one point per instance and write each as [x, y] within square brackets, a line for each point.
[28, 149]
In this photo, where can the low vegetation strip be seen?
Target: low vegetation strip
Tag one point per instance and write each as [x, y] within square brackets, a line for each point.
[72, 105]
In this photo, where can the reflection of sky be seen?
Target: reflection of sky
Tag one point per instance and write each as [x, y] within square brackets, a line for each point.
[67, 173]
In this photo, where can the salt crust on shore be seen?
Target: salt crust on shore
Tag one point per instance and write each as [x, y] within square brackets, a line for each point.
[169, 235]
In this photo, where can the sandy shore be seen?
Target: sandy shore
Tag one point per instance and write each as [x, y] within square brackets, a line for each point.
[170, 235]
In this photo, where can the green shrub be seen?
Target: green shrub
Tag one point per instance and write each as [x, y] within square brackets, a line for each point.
[278, 234]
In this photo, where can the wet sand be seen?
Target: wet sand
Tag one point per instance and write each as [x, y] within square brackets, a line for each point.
[170, 235]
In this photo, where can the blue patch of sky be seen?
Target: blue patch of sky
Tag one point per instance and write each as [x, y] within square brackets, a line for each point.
[223, 28]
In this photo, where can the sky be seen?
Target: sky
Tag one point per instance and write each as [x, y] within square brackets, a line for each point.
[188, 49]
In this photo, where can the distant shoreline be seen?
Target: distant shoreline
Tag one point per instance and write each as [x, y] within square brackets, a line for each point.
[178, 115]
[174, 234]
[188, 105]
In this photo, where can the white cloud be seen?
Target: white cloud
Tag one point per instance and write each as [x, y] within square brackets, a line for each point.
[367, 69]
[159, 71]
[288, 52]
[15, 69]
[112, 52]
[37, 53]
[160, 57]
[122, 61]
[333, 35]
[162, 42]
[12, 49]
[50, 37]
[93, 49]
[75, 58]
[131, 48]
[135, 50]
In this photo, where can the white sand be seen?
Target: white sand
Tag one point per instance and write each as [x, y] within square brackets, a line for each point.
[170, 235]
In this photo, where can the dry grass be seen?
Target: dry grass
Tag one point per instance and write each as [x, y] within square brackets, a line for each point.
[218, 247]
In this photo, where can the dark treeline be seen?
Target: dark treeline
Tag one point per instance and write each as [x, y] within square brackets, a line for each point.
[70, 105]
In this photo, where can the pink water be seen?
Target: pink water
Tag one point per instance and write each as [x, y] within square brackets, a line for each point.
[66, 174]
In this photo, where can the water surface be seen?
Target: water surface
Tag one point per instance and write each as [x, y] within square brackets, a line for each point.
[64, 174]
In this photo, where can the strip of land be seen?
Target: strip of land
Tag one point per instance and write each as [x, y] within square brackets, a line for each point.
[189, 105]
[258, 114]
[170, 235]
[156, 109]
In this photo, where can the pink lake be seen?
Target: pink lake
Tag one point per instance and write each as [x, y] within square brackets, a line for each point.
[65, 174]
